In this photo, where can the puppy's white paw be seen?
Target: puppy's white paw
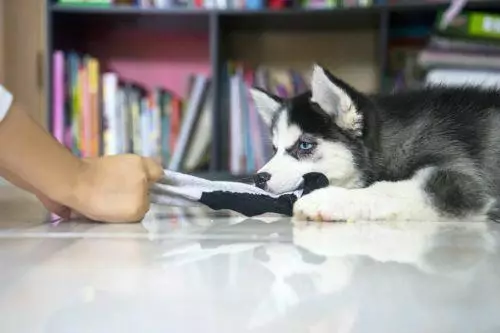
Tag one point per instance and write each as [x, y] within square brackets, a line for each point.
[330, 204]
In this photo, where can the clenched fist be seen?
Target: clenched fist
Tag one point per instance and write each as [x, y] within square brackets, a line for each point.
[114, 188]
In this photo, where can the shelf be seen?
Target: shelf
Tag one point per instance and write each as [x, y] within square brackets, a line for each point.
[184, 19]
[392, 8]
[125, 10]
[130, 17]
[431, 6]
[300, 19]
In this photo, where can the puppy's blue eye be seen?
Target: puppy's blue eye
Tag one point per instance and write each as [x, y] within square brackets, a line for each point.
[305, 145]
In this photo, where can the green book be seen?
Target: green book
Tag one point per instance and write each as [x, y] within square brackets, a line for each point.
[89, 3]
[471, 24]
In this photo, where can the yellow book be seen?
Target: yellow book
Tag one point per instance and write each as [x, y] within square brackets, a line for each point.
[95, 130]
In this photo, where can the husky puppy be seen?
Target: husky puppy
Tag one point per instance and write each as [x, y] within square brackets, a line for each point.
[425, 155]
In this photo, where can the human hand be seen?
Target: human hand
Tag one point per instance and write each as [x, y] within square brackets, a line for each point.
[114, 188]
[54, 207]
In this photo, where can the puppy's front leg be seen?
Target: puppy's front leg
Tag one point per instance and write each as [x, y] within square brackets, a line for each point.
[431, 195]
[365, 204]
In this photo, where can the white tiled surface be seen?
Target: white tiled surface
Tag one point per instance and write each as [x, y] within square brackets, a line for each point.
[206, 274]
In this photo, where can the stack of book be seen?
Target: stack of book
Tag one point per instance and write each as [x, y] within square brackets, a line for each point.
[96, 113]
[322, 4]
[466, 51]
[194, 4]
[250, 145]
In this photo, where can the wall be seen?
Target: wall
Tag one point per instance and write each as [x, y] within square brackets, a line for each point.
[23, 45]
[2, 52]
[351, 55]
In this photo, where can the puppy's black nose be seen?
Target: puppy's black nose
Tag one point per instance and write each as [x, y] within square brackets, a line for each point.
[261, 179]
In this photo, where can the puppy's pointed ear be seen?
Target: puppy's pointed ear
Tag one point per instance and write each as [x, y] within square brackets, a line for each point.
[267, 104]
[334, 97]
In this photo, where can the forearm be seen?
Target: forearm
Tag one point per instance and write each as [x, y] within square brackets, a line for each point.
[15, 180]
[33, 158]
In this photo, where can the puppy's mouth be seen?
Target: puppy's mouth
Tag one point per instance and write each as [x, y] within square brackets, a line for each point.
[299, 185]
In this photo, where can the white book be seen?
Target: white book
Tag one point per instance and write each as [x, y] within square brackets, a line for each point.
[123, 134]
[163, 3]
[111, 134]
[461, 77]
[156, 125]
[236, 140]
[221, 4]
[202, 135]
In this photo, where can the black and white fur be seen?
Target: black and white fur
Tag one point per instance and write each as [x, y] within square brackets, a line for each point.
[428, 155]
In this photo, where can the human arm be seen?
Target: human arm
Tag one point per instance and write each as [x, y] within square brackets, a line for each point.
[110, 189]
[52, 206]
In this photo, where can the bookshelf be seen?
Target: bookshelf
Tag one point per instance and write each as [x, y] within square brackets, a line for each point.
[91, 29]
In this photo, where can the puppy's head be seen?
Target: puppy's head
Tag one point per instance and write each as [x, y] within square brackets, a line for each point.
[322, 130]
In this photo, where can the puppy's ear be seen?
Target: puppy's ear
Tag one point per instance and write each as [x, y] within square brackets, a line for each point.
[334, 97]
[267, 104]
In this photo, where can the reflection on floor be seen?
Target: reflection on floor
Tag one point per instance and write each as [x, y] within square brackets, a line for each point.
[200, 271]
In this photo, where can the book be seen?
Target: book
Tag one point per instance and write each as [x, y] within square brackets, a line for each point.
[110, 114]
[471, 24]
[86, 2]
[433, 59]
[58, 122]
[461, 77]
[97, 113]
[199, 147]
[193, 110]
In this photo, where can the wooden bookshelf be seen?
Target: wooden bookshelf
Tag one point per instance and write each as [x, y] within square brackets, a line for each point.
[71, 23]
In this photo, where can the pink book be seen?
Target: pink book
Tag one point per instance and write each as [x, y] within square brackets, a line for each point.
[58, 97]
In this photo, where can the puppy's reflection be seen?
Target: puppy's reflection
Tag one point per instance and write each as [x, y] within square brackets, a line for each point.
[378, 269]
[440, 248]
[370, 277]
[287, 249]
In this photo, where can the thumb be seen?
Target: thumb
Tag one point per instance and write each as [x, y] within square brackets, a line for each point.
[153, 170]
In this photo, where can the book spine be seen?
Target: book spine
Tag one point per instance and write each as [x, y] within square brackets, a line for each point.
[235, 130]
[136, 122]
[68, 98]
[471, 24]
[110, 87]
[121, 138]
[58, 99]
[249, 162]
[156, 123]
[166, 107]
[256, 138]
[93, 68]
[175, 123]
[144, 126]
[484, 25]
[192, 112]
[85, 115]
[76, 105]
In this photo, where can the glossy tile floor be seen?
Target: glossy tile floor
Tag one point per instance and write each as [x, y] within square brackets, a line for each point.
[194, 271]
